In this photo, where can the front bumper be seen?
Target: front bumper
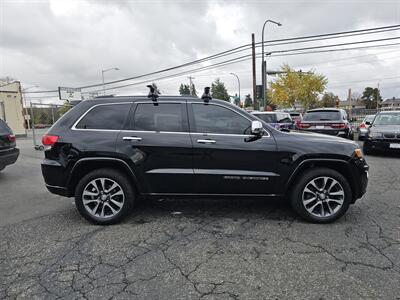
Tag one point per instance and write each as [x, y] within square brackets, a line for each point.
[382, 144]
[359, 174]
[8, 157]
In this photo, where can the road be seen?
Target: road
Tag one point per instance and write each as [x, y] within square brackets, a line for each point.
[204, 249]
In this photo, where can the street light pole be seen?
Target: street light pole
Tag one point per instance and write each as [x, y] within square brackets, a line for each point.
[102, 77]
[237, 77]
[263, 64]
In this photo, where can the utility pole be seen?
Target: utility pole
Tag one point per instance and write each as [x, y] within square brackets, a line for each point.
[377, 96]
[253, 52]
[351, 106]
[191, 85]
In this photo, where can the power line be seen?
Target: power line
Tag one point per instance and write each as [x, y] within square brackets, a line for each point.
[238, 49]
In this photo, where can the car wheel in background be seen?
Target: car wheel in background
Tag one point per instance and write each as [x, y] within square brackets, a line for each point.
[104, 196]
[321, 195]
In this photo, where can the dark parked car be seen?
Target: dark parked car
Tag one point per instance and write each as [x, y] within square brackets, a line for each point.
[109, 152]
[278, 120]
[363, 127]
[332, 121]
[8, 151]
[384, 133]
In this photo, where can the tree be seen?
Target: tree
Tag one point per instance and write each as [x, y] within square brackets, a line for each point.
[292, 86]
[328, 100]
[218, 90]
[193, 91]
[248, 101]
[66, 107]
[184, 89]
[371, 97]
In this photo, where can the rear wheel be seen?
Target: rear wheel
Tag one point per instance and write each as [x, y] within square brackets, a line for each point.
[321, 195]
[104, 196]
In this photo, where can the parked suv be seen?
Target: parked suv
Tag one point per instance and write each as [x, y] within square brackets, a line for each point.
[109, 152]
[332, 121]
[8, 151]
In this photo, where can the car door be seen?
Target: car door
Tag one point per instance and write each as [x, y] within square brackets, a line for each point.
[224, 162]
[157, 143]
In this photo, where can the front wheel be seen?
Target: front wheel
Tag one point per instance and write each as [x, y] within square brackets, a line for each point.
[104, 196]
[321, 195]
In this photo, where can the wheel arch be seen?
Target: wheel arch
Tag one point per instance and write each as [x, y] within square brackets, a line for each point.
[339, 165]
[85, 165]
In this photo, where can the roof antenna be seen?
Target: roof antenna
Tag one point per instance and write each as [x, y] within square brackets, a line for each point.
[206, 96]
[154, 92]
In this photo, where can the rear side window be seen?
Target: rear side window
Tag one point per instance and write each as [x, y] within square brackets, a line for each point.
[160, 117]
[4, 127]
[110, 116]
[322, 116]
[216, 119]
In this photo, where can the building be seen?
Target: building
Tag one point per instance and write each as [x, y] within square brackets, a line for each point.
[392, 103]
[354, 103]
[11, 109]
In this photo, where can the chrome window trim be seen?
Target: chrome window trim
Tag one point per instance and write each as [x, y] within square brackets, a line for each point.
[229, 134]
[93, 129]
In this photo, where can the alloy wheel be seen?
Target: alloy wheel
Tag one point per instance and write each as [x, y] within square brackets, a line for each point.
[323, 196]
[103, 198]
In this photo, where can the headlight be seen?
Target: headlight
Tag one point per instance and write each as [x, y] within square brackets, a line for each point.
[358, 153]
[375, 135]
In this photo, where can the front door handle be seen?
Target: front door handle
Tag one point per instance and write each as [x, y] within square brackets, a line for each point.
[206, 141]
[132, 138]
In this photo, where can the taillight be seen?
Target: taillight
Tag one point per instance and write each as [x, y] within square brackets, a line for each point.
[49, 140]
[339, 126]
[304, 125]
[11, 138]
[362, 125]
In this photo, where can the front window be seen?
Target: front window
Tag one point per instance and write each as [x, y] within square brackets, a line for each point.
[210, 118]
[322, 116]
[387, 119]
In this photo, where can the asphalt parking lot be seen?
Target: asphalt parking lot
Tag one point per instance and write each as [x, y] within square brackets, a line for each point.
[171, 249]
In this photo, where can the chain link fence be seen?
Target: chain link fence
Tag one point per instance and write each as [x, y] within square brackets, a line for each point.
[41, 116]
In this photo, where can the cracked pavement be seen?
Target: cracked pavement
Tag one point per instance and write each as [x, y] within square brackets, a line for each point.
[229, 249]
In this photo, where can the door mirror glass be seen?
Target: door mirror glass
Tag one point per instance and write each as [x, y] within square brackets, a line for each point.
[256, 128]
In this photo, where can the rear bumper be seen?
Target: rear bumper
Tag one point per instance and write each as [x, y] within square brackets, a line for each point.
[8, 157]
[55, 178]
[341, 133]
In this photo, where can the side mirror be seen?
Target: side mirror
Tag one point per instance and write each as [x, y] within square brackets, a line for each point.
[368, 123]
[256, 128]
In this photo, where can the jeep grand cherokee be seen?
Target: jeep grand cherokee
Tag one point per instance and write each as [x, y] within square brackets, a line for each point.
[109, 152]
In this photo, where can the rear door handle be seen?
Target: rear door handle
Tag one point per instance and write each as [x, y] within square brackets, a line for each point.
[132, 138]
[206, 141]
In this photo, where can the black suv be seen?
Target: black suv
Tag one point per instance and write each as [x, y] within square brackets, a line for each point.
[109, 152]
[332, 121]
[8, 151]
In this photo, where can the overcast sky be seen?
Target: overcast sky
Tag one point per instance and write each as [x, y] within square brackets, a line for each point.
[67, 43]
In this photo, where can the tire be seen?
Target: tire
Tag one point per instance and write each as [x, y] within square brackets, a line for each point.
[351, 136]
[104, 196]
[339, 192]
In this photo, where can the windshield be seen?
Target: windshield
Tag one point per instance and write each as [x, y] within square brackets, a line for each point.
[332, 115]
[369, 118]
[387, 119]
[4, 127]
[268, 118]
[283, 118]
